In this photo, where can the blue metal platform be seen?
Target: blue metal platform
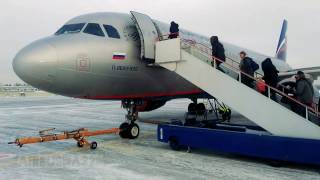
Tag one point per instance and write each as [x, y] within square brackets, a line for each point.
[242, 140]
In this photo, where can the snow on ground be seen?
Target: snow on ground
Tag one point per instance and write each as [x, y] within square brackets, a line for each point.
[115, 158]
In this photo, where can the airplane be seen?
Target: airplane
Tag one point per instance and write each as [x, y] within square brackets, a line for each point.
[102, 56]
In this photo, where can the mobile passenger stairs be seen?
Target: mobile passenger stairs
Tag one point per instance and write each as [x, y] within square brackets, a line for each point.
[281, 134]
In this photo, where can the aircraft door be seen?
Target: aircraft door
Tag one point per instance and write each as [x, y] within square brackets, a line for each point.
[148, 34]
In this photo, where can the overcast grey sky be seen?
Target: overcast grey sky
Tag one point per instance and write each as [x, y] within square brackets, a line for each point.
[254, 24]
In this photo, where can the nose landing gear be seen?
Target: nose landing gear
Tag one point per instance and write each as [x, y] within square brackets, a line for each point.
[129, 129]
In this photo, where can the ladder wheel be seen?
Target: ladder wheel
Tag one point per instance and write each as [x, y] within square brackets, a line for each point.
[93, 145]
[174, 144]
[80, 145]
[201, 109]
[192, 108]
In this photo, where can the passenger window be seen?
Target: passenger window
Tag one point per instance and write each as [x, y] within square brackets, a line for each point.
[70, 28]
[94, 29]
[111, 31]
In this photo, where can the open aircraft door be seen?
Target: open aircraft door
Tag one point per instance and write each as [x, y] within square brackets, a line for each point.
[148, 34]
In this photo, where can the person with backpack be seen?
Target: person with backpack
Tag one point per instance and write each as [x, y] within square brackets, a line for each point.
[303, 93]
[217, 52]
[247, 67]
[270, 76]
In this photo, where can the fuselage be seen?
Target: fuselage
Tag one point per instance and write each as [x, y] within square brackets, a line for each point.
[89, 64]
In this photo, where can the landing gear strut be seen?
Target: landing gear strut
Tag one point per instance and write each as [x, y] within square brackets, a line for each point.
[129, 129]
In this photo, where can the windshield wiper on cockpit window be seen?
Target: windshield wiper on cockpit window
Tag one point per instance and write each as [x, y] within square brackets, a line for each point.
[70, 28]
[69, 32]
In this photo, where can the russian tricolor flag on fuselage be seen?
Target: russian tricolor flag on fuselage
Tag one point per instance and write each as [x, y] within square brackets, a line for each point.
[119, 56]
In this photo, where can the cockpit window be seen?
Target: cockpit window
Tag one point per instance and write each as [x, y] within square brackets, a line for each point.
[70, 28]
[111, 31]
[94, 29]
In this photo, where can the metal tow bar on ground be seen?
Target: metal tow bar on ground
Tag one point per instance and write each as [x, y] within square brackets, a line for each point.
[80, 135]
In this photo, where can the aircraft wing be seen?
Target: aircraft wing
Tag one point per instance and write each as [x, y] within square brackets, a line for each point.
[312, 71]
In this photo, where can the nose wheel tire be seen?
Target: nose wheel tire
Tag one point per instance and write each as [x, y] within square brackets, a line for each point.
[124, 130]
[129, 131]
[134, 131]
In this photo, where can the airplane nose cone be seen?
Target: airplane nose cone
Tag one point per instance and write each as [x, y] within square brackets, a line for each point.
[36, 64]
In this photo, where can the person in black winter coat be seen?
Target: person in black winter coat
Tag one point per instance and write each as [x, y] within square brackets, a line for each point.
[174, 30]
[246, 70]
[270, 76]
[217, 51]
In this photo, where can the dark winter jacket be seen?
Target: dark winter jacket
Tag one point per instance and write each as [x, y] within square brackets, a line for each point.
[245, 66]
[304, 91]
[270, 73]
[174, 30]
[217, 49]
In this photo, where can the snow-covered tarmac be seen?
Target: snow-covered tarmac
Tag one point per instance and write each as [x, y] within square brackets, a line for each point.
[115, 158]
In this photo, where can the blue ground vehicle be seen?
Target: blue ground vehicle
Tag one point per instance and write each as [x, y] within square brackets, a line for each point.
[242, 140]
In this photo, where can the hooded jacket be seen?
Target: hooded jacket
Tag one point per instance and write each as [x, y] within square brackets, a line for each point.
[270, 72]
[174, 28]
[304, 91]
[217, 48]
